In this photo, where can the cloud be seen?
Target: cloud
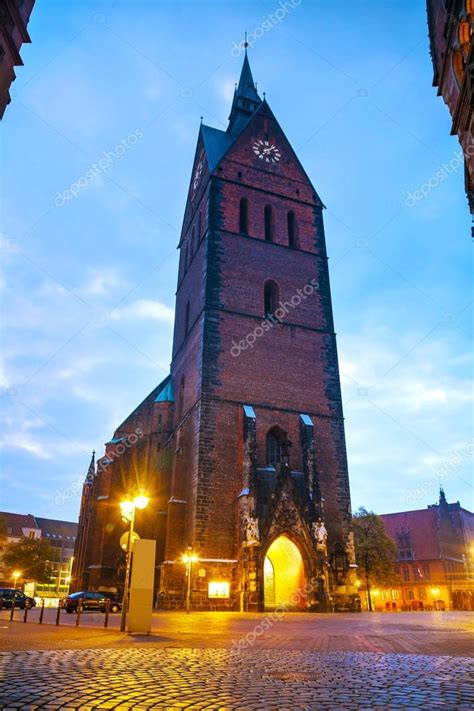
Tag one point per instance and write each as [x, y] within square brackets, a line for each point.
[102, 281]
[144, 309]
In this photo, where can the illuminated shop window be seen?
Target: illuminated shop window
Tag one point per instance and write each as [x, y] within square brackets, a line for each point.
[218, 589]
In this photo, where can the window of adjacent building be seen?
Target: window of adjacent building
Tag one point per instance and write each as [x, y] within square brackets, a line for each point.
[426, 572]
[268, 215]
[422, 593]
[410, 595]
[244, 216]
[406, 574]
[292, 231]
[458, 66]
[270, 297]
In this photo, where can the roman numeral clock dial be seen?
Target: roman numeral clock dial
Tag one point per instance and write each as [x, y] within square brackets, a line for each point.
[266, 151]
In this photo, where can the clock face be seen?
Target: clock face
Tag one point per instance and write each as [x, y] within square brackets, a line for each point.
[197, 175]
[266, 151]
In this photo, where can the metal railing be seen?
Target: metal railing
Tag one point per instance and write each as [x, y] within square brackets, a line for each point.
[26, 617]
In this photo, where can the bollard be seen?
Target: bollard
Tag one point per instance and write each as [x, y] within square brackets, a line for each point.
[58, 612]
[25, 614]
[79, 610]
[41, 612]
[107, 609]
[13, 610]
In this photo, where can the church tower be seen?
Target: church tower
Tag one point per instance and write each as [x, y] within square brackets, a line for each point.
[256, 460]
[241, 448]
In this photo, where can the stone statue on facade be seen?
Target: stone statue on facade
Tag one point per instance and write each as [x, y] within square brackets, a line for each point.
[350, 549]
[251, 530]
[320, 533]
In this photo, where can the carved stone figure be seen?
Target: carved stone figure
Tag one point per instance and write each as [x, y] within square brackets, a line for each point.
[320, 533]
[251, 529]
[350, 549]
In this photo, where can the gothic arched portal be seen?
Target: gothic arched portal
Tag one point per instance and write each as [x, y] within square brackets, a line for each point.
[283, 575]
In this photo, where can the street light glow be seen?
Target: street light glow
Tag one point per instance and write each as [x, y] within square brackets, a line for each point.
[141, 501]
[189, 558]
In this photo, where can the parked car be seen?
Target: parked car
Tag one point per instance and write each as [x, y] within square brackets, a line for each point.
[348, 603]
[91, 601]
[7, 595]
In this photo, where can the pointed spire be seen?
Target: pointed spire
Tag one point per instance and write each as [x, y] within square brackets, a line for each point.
[246, 98]
[90, 476]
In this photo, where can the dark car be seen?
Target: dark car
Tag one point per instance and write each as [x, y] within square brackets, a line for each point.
[7, 595]
[347, 603]
[92, 601]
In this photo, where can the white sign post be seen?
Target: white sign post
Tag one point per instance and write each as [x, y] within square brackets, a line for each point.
[141, 587]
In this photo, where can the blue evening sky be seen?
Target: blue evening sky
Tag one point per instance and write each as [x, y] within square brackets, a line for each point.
[88, 282]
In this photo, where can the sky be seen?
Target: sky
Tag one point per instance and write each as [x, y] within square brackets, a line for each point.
[89, 259]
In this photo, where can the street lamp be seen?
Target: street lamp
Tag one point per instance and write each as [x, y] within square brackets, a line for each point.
[188, 559]
[16, 575]
[128, 508]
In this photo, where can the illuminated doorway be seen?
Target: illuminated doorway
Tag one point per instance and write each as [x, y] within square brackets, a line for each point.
[283, 575]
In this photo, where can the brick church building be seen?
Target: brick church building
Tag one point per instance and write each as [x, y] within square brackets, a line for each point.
[241, 448]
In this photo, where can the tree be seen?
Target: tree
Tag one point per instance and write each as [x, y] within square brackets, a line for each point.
[31, 557]
[375, 551]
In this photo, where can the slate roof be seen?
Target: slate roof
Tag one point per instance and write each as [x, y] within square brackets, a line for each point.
[16, 522]
[165, 393]
[51, 528]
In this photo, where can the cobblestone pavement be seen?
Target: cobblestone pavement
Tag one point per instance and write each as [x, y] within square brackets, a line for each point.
[218, 679]
[430, 633]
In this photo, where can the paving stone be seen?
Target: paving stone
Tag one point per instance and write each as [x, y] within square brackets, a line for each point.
[175, 679]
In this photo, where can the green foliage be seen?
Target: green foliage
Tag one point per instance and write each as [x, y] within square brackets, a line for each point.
[375, 551]
[31, 557]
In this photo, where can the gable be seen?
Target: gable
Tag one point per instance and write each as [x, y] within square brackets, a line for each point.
[263, 146]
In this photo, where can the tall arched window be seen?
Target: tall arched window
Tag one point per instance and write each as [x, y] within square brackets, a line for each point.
[244, 216]
[268, 223]
[292, 229]
[186, 319]
[181, 396]
[270, 297]
[275, 446]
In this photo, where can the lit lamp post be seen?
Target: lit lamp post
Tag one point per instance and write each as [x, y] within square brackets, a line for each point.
[188, 559]
[128, 508]
[16, 575]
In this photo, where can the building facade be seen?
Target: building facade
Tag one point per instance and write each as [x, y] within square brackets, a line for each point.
[450, 26]
[241, 448]
[435, 552]
[61, 536]
[14, 17]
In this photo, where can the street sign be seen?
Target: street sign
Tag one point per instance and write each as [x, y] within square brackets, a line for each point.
[124, 540]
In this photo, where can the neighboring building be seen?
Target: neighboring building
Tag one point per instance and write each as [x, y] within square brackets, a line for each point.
[435, 558]
[61, 536]
[14, 16]
[450, 26]
[242, 446]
